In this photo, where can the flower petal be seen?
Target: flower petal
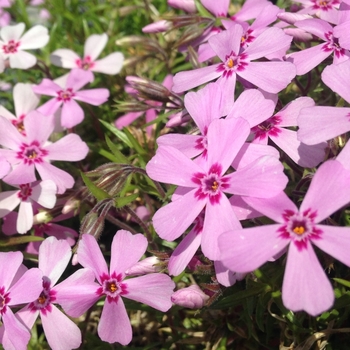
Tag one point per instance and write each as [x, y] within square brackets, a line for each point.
[25, 217]
[64, 58]
[94, 97]
[12, 261]
[25, 99]
[22, 60]
[94, 45]
[35, 38]
[111, 64]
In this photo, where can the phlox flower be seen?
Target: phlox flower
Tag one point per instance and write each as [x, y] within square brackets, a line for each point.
[25, 101]
[17, 286]
[13, 44]
[42, 192]
[94, 44]
[60, 331]
[305, 284]
[272, 76]
[154, 289]
[65, 96]
[205, 185]
[191, 297]
[33, 151]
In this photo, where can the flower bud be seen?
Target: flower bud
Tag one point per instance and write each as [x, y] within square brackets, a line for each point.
[191, 297]
[157, 27]
[148, 265]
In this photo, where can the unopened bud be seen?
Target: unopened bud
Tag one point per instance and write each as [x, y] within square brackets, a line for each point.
[157, 27]
[148, 265]
[191, 297]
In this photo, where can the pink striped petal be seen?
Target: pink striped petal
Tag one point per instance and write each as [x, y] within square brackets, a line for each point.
[329, 190]
[315, 26]
[108, 330]
[54, 256]
[242, 210]
[154, 289]
[246, 250]
[305, 284]
[184, 143]
[90, 256]
[127, 250]
[173, 219]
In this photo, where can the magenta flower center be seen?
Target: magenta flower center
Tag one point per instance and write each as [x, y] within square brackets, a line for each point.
[11, 47]
[332, 44]
[32, 153]
[18, 123]
[65, 95]
[4, 300]
[86, 63]
[25, 191]
[324, 5]
[112, 287]
[300, 227]
[210, 185]
[247, 38]
[266, 128]
[232, 64]
[45, 299]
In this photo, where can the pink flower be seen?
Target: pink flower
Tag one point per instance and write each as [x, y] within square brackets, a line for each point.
[111, 64]
[154, 289]
[186, 5]
[13, 44]
[17, 286]
[60, 331]
[191, 297]
[42, 192]
[72, 114]
[33, 151]
[305, 285]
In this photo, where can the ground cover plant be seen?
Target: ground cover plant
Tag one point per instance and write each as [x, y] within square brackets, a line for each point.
[174, 174]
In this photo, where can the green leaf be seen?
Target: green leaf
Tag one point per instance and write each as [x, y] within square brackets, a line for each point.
[123, 201]
[343, 282]
[95, 191]
[114, 149]
[19, 240]
[120, 134]
[135, 144]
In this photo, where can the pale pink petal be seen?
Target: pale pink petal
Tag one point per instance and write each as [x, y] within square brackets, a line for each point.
[78, 78]
[25, 217]
[204, 105]
[307, 156]
[189, 79]
[289, 114]
[16, 333]
[22, 60]
[94, 45]
[8, 201]
[250, 152]
[12, 261]
[273, 207]
[47, 87]
[268, 42]
[269, 76]
[227, 41]
[34, 133]
[344, 156]
[35, 38]
[68, 148]
[329, 190]
[111, 331]
[248, 249]
[184, 252]
[225, 138]
[7, 114]
[127, 119]
[173, 219]
[64, 58]
[171, 166]
[127, 250]
[61, 178]
[27, 316]
[321, 123]
[242, 210]
[316, 27]
[90, 256]
[21, 174]
[205, 52]
[308, 59]
[94, 97]
[154, 289]
[219, 8]
[337, 77]
[44, 193]
[183, 142]
[219, 218]
[61, 333]
[264, 178]
[54, 256]
[227, 85]
[111, 64]
[9, 135]
[305, 284]
[186, 5]
[20, 293]
[252, 106]
[226, 277]
[50, 107]
[77, 293]
[25, 100]
[4, 167]
[12, 32]
[341, 31]
[72, 114]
